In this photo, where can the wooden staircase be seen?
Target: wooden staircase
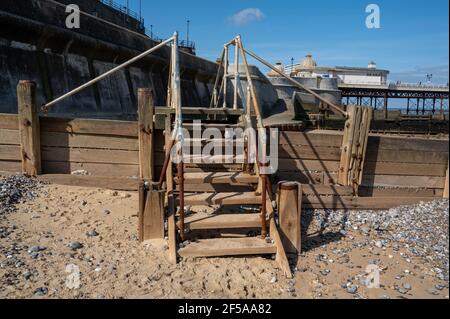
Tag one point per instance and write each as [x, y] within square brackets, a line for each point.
[233, 227]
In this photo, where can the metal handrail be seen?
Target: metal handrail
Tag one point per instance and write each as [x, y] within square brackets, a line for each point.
[46, 106]
[123, 9]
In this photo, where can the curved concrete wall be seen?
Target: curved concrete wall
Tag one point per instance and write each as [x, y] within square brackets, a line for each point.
[326, 88]
[265, 91]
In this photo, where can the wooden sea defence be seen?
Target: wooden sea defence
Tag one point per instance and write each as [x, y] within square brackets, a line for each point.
[118, 154]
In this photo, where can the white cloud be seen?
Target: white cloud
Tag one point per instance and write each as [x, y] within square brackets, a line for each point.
[246, 16]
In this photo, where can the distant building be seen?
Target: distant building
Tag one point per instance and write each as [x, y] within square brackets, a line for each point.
[309, 68]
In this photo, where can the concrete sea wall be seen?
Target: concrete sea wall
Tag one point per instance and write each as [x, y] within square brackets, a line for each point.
[36, 45]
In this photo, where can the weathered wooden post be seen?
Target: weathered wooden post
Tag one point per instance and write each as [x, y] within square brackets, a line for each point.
[354, 146]
[446, 185]
[146, 112]
[151, 213]
[290, 208]
[28, 116]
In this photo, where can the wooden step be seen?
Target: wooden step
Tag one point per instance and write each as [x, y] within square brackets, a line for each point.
[214, 159]
[220, 178]
[222, 141]
[220, 247]
[248, 198]
[201, 221]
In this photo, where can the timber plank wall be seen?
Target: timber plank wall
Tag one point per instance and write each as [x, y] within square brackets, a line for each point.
[100, 147]
[394, 166]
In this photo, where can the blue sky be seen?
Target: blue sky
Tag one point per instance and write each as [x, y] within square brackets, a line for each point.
[413, 39]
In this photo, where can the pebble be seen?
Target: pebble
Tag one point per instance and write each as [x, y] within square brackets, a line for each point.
[27, 275]
[273, 280]
[403, 291]
[352, 289]
[290, 289]
[35, 249]
[15, 188]
[75, 245]
[407, 286]
[106, 212]
[42, 291]
[92, 233]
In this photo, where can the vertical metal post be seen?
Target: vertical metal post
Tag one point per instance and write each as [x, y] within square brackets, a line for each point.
[187, 32]
[236, 77]
[386, 112]
[407, 106]
[178, 130]
[417, 106]
[225, 77]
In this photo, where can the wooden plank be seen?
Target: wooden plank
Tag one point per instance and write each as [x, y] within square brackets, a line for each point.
[93, 169]
[9, 121]
[408, 144]
[198, 111]
[223, 199]
[287, 165]
[314, 138]
[311, 189]
[81, 155]
[401, 156]
[145, 123]
[201, 221]
[221, 247]
[325, 178]
[280, 256]
[10, 166]
[55, 139]
[309, 153]
[29, 128]
[10, 153]
[404, 169]
[151, 219]
[9, 137]
[290, 207]
[90, 126]
[220, 178]
[399, 192]
[112, 183]
[403, 181]
[357, 203]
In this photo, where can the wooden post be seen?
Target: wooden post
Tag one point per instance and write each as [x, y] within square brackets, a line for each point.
[347, 142]
[354, 146]
[151, 214]
[145, 112]
[29, 128]
[290, 207]
[446, 185]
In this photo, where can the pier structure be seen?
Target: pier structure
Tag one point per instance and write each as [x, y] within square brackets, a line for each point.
[422, 99]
